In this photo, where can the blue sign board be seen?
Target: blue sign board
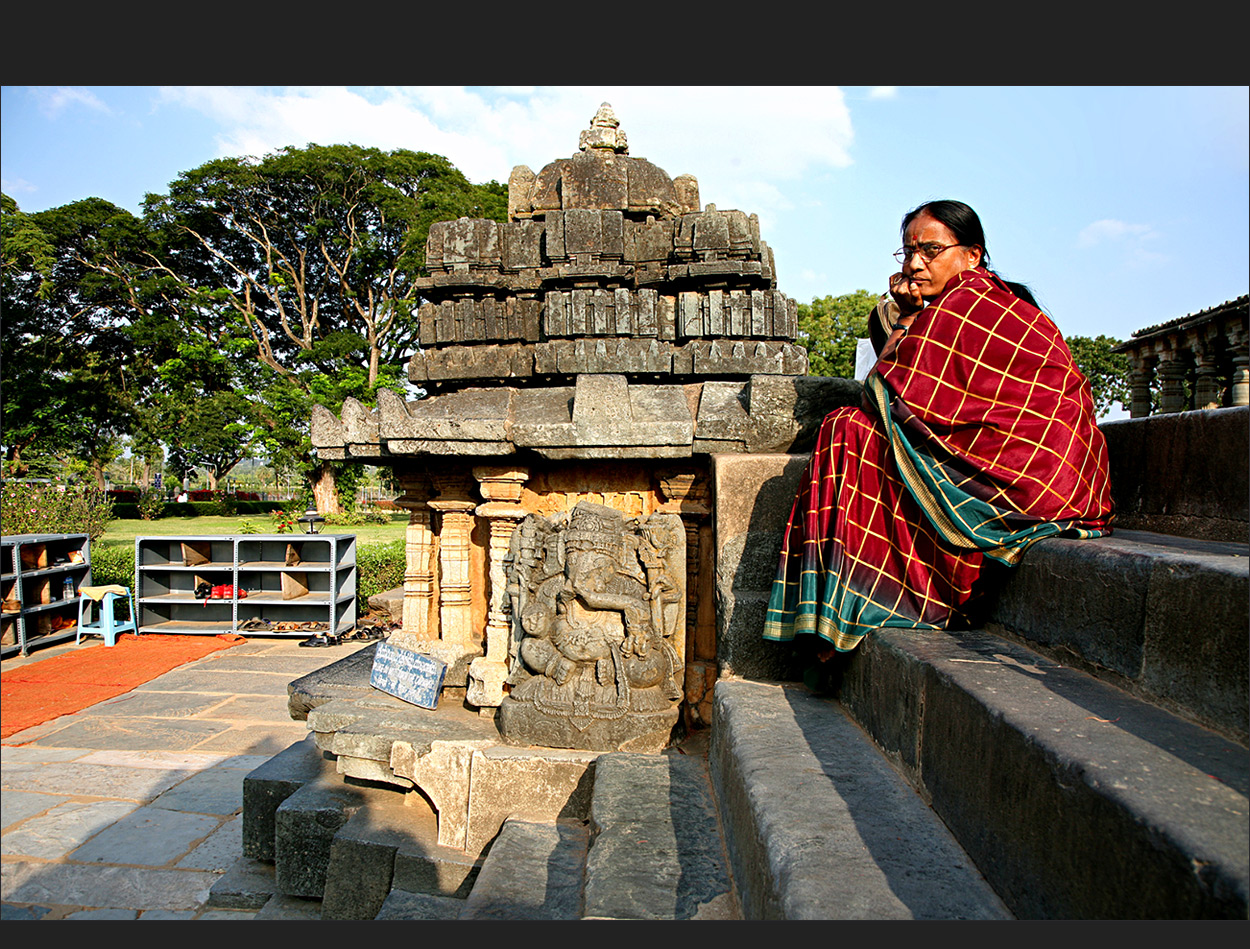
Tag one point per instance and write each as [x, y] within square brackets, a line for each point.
[411, 676]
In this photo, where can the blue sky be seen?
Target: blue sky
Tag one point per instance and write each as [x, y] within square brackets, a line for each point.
[1121, 207]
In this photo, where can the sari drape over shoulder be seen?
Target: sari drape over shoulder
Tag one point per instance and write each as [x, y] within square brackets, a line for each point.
[978, 438]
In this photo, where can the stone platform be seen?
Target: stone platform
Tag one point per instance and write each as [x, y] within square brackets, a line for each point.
[452, 756]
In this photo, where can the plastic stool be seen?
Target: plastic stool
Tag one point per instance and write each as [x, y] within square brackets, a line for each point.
[107, 624]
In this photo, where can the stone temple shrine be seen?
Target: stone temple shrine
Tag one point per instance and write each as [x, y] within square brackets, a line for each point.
[583, 361]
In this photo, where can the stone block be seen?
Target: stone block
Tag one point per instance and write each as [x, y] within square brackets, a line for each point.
[401, 904]
[363, 854]
[818, 823]
[596, 181]
[305, 826]
[754, 495]
[266, 787]
[442, 774]
[1183, 473]
[1075, 799]
[534, 871]
[534, 783]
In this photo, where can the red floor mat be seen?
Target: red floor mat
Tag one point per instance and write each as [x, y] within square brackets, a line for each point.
[41, 691]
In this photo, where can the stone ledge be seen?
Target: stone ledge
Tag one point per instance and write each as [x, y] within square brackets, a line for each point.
[820, 826]
[1076, 800]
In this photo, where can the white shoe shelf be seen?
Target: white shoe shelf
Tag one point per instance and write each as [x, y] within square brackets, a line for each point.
[39, 584]
[278, 581]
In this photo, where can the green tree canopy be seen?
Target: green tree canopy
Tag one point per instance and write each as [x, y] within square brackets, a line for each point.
[1107, 371]
[829, 327]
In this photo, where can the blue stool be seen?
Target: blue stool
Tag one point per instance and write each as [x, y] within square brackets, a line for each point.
[106, 624]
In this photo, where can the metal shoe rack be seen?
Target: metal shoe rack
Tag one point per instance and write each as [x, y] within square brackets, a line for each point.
[277, 582]
[39, 583]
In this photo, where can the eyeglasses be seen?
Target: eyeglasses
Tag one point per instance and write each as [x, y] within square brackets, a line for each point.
[927, 251]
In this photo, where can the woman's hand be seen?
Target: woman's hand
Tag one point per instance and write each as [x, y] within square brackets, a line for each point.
[906, 294]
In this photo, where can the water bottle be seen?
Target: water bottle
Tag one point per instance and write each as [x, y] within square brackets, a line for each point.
[69, 588]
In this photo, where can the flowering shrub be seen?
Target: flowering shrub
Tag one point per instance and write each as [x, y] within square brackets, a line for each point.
[54, 509]
[152, 504]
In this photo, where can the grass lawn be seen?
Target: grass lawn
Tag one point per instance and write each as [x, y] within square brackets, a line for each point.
[123, 531]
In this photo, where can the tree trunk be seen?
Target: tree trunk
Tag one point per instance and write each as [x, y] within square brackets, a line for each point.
[325, 491]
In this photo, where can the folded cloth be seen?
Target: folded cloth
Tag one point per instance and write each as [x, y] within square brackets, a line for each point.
[97, 593]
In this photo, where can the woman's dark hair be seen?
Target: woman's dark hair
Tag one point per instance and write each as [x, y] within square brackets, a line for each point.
[963, 222]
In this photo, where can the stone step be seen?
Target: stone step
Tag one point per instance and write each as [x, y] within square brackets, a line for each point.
[1075, 799]
[533, 871]
[656, 850]
[1163, 617]
[266, 787]
[819, 824]
[306, 823]
[386, 846]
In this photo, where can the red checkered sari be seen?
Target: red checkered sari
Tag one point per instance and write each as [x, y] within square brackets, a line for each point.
[980, 440]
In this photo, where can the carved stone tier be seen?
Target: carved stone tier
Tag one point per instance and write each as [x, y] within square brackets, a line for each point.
[600, 416]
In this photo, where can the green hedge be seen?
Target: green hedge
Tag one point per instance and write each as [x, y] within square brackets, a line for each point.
[113, 565]
[379, 567]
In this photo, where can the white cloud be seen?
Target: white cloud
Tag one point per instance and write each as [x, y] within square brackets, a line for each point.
[1110, 230]
[53, 101]
[17, 186]
[736, 140]
[883, 92]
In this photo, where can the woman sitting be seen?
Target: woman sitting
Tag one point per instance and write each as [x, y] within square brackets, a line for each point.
[977, 438]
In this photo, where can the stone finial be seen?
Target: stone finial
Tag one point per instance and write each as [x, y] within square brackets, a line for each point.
[604, 132]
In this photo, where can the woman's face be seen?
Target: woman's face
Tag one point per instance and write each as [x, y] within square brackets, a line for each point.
[932, 276]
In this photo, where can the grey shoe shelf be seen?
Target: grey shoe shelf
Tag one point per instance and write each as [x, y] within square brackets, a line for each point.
[278, 580]
[39, 585]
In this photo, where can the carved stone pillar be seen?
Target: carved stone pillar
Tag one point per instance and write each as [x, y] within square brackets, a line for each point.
[455, 645]
[1139, 383]
[1172, 388]
[418, 559]
[1240, 394]
[686, 494]
[501, 487]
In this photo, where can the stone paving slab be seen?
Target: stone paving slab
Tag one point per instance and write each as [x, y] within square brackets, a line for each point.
[280, 906]
[12, 755]
[85, 780]
[155, 704]
[253, 708]
[213, 791]
[189, 760]
[135, 734]
[63, 829]
[219, 851]
[254, 738]
[87, 885]
[225, 682]
[149, 836]
[246, 884]
[19, 805]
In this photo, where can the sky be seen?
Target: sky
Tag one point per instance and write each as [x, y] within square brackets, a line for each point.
[1121, 207]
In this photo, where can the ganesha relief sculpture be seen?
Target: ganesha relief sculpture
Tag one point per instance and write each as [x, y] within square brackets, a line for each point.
[598, 630]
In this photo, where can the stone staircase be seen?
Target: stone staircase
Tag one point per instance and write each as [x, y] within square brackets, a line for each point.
[1080, 755]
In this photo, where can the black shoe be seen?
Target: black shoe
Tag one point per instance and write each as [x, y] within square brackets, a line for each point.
[317, 640]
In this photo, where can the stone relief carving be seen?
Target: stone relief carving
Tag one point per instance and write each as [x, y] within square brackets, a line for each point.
[598, 614]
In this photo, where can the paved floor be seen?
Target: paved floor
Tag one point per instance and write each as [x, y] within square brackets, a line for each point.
[131, 809]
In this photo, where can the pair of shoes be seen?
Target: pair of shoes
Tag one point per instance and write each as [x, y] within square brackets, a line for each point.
[320, 639]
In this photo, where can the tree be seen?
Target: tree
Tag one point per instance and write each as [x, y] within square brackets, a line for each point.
[70, 370]
[307, 259]
[1107, 371]
[830, 328]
